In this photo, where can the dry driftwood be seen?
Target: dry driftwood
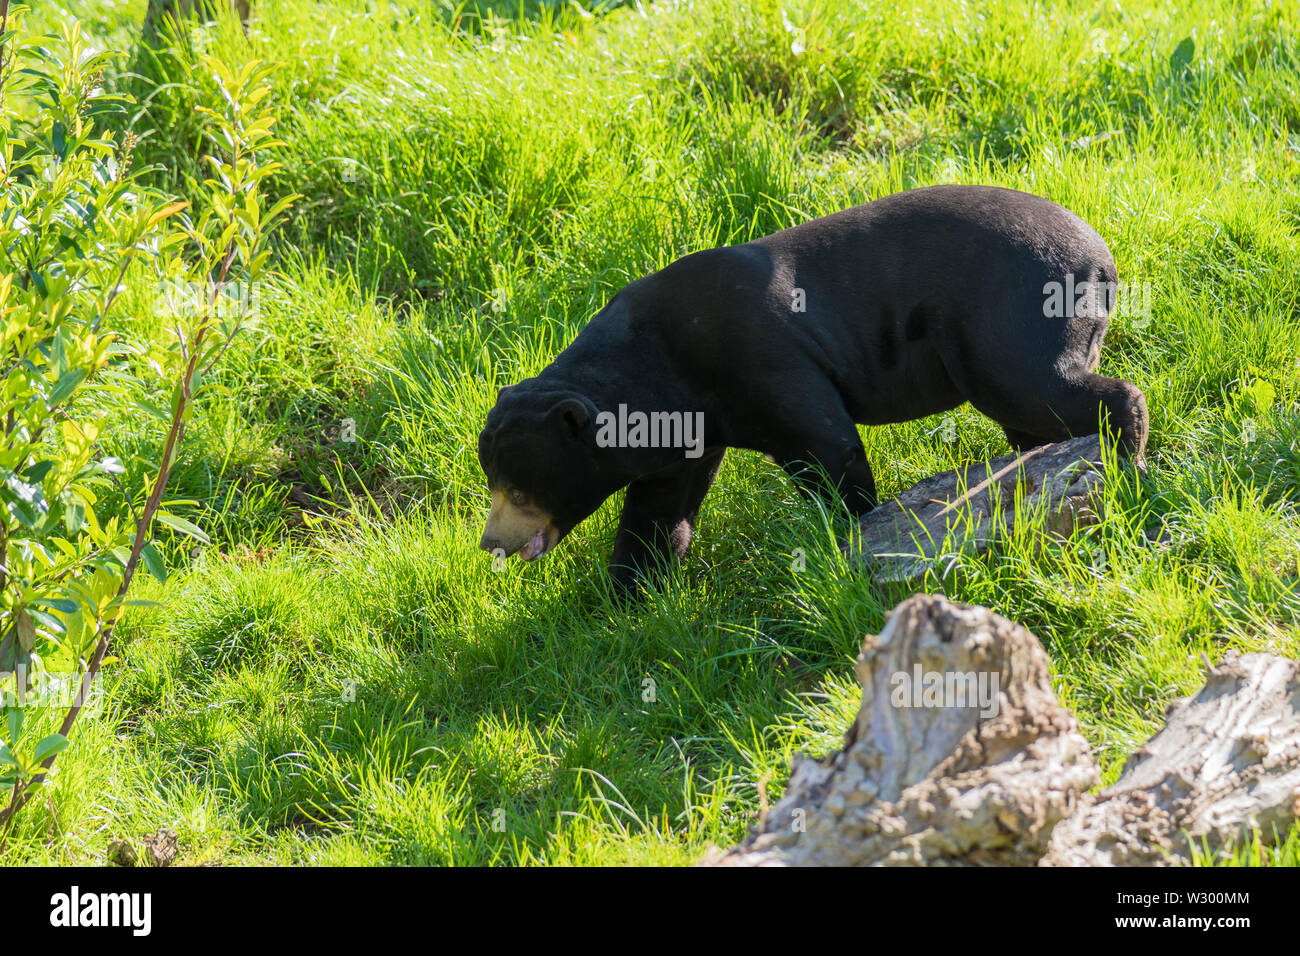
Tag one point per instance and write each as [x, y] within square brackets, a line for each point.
[1226, 763]
[927, 785]
[945, 785]
[972, 507]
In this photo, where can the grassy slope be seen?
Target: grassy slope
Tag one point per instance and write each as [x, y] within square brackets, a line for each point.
[353, 683]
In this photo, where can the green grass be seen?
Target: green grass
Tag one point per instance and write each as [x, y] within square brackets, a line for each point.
[343, 678]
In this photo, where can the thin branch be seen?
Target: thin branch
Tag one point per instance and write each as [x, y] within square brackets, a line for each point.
[24, 792]
[4, 23]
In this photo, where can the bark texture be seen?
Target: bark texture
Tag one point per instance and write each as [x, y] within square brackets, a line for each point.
[1225, 765]
[972, 507]
[1002, 778]
[925, 785]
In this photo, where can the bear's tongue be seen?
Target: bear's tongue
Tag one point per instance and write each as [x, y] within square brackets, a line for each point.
[534, 547]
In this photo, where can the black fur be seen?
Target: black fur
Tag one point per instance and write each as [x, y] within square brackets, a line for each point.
[914, 304]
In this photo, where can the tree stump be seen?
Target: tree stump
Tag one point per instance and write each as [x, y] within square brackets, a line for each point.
[925, 785]
[941, 769]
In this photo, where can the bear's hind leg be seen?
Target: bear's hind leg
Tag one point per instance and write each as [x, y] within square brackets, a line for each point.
[1073, 406]
[1126, 411]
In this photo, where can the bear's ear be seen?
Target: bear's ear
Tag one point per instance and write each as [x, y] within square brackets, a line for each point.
[571, 414]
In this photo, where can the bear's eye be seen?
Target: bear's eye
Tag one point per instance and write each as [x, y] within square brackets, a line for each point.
[517, 496]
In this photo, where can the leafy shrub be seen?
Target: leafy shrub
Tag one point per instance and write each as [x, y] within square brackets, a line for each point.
[76, 223]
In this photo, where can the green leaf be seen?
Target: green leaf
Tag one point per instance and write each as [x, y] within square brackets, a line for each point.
[154, 562]
[50, 746]
[69, 244]
[183, 526]
[1259, 395]
[24, 501]
[74, 518]
[66, 385]
[64, 605]
[16, 648]
[1181, 58]
[15, 724]
[52, 623]
[38, 471]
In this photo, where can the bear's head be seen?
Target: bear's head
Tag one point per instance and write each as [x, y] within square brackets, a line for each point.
[546, 474]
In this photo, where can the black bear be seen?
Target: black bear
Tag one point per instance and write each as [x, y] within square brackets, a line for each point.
[896, 309]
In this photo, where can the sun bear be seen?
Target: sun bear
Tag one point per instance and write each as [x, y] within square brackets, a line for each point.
[903, 307]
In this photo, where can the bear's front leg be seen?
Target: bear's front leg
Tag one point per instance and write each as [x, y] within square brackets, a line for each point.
[659, 513]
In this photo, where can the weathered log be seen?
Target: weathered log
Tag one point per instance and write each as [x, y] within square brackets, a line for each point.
[970, 508]
[1002, 778]
[1226, 766]
[983, 783]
